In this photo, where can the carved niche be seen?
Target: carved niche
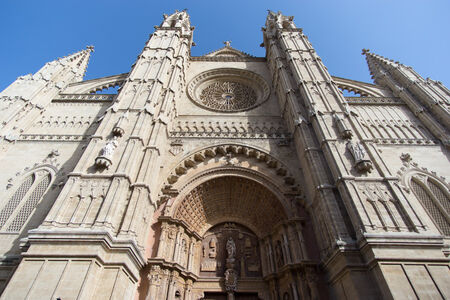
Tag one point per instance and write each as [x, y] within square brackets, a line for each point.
[214, 255]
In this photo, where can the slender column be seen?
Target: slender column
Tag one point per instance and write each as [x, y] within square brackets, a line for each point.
[191, 255]
[287, 250]
[162, 241]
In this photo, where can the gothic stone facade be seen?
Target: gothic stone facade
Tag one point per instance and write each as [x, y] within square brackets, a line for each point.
[224, 176]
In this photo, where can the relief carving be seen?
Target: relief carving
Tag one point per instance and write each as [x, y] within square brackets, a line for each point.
[228, 250]
[362, 161]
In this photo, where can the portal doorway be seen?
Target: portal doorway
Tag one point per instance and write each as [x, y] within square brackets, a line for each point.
[237, 296]
[230, 237]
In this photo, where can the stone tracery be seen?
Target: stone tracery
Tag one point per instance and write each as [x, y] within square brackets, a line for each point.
[228, 96]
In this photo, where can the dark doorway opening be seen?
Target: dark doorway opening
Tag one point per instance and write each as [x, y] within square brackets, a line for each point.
[237, 296]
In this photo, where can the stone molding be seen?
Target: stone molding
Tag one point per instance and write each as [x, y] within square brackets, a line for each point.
[84, 98]
[374, 101]
[186, 128]
[230, 151]
[53, 138]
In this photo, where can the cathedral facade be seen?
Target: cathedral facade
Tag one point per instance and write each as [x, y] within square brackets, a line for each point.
[224, 176]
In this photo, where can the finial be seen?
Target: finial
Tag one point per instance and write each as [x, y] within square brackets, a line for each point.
[365, 51]
[185, 10]
[227, 43]
[90, 47]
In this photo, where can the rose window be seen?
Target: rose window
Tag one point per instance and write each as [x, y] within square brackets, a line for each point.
[228, 96]
[228, 90]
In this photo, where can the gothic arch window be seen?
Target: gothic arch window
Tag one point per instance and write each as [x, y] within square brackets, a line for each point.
[20, 206]
[435, 198]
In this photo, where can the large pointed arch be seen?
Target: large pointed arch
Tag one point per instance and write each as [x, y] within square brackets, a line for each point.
[232, 155]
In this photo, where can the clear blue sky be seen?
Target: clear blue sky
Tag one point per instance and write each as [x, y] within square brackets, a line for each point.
[415, 32]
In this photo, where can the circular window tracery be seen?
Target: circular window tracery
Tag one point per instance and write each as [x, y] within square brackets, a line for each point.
[228, 95]
[228, 90]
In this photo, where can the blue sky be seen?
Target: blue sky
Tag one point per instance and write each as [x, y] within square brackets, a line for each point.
[413, 32]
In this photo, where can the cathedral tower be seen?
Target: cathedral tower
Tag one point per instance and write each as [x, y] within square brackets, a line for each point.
[224, 176]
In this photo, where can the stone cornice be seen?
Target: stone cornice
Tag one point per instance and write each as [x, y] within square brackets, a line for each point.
[227, 58]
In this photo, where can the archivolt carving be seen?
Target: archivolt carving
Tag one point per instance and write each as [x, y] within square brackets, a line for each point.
[230, 198]
[231, 153]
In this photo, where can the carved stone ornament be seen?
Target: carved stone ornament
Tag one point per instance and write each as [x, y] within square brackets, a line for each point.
[228, 96]
[228, 90]
[118, 129]
[362, 162]
[230, 280]
[176, 147]
[104, 160]
[406, 157]
[344, 131]
[231, 248]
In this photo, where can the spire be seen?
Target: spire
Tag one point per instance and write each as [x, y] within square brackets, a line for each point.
[76, 62]
[179, 19]
[428, 99]
[377, 63]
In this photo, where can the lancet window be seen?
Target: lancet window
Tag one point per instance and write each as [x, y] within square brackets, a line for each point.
[17, 210]
[434, 197]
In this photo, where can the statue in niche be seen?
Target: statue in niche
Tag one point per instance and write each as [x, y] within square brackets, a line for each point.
[279, 254]
[212, 248]
[248, 249]
[231, 248]
[108, 149]
[104, 160]
[362, 162]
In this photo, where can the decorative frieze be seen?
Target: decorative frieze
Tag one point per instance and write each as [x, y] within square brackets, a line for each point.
[229, 129]
[374, 101]
[54, 137]
[84, 97]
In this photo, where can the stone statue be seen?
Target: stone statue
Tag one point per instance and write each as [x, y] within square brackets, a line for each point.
[104, 160]
[231, 248]
[108, 149]
[362, 163]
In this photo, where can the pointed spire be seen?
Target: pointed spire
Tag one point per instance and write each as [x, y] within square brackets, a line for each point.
[378, 63]
[78, 62]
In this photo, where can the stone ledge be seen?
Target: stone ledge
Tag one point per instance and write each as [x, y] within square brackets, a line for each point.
[71, 242]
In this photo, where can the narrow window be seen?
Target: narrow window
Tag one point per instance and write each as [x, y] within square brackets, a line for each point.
[15, 199]
[435, 202]
[30, 204]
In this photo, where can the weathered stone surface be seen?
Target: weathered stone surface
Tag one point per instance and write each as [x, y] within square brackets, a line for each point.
[224, 175]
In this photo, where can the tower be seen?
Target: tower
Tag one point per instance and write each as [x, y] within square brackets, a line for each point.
[225, 176]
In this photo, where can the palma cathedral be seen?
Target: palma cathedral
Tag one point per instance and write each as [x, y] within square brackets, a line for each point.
[224, 176]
